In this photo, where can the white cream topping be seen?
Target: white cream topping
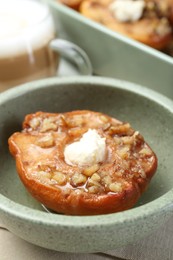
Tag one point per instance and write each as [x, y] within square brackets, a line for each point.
[127, 10]
[89, 150]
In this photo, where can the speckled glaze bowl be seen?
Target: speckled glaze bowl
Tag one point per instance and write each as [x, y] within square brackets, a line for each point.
[147, 111]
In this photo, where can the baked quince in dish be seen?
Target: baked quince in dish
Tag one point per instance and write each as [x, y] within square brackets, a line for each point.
[147, 21]
[82, 162]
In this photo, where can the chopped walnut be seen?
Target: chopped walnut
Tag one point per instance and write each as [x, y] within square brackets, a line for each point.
[78, 179]
[34, 123]
[60, 178]
[163, 27]
[104, 119]
[115, 187]
[90, 170]
[48, 124]
[145, 151]
[121, 129]
[123, 151]
[107, 180]
[94, 189]
[46, 141]
[75, 121]
[44, 177]
[96, 177]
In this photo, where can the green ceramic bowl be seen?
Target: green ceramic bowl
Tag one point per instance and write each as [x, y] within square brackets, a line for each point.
[147, 111]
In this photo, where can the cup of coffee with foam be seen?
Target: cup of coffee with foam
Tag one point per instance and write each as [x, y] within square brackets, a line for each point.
[29, 49]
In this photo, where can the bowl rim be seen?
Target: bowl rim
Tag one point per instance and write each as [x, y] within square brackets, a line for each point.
[162, 204]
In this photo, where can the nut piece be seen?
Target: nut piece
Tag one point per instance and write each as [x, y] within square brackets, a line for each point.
[150, 5]
[60, 178]
[143, 174]
[123, 152]
[145, 151]
[34, 123]
[106, 126]
[93, 183]
[107, 180]
[43, 177]
[127, 140]
[95, 177]
[163, 27]
[93, 189]
[104, 119]
[78, 179]
[121, 129]
[115, 187]
[48, 124]
[46, 141]
[76, 131]
[90, 170]
[75, 121]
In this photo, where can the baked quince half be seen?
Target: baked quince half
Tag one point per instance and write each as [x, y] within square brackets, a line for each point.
[82, 162]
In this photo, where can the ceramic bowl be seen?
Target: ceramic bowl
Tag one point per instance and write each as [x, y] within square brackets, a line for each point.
[147, 111]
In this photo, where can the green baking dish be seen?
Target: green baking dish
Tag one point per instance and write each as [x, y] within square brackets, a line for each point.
[114, 55]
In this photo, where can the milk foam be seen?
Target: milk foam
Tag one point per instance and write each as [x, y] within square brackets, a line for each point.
[24, 25]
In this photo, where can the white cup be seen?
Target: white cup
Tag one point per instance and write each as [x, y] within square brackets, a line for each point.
[29, 49]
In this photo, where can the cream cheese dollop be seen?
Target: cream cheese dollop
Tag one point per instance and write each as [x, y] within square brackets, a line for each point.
[89, 150]
[127, 10]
